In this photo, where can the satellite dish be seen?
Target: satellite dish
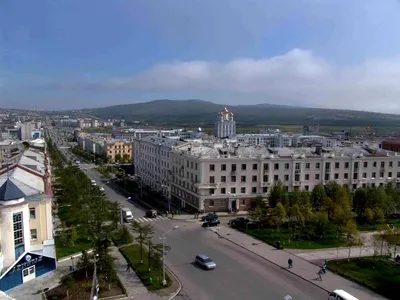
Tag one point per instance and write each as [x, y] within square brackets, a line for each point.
[199, 128]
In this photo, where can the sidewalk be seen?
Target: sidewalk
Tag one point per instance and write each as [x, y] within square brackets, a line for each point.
[301, 268]
[189, 217]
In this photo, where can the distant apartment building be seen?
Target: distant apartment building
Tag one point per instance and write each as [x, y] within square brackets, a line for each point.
[26, 229]
[7, 147]
[90, 143]
[84, 123]
[225, 126]
[224, 177]
[115, 148]
[152, 161]
[133, 133]
[25, 131]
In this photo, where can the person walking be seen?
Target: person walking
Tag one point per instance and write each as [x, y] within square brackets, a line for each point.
[290, 263]
[320, 272]
[128, 267]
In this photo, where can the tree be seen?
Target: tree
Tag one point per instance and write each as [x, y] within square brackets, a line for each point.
[257, 215]
[379, 217]
[144, 233]
[295, 219]
[118, 157]
[125, 158]
[317, 197]
[350, 235]
[64, 234]
[369, 215]
[152, 250]
[277, 194]
[73, 235]
[278, 213]
[85, 262]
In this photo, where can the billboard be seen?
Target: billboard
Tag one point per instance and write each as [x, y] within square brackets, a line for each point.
[35, 135]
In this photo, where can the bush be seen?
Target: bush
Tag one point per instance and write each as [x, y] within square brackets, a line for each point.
[122, 236]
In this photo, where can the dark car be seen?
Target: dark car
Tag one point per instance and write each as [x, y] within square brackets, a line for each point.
[239, 221]
[209, 217]
[151, 213]
[211, 223]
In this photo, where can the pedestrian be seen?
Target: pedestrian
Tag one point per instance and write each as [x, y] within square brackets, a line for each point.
[290, 263]
[320, 272]
[128, 267]
[324, 268]
[166, 213]
[172, 214]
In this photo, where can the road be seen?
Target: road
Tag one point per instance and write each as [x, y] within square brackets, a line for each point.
[239, 273]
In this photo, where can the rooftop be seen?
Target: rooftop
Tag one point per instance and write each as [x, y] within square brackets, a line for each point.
[9, 191]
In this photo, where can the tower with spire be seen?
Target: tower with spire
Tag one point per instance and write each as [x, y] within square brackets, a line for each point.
[225, 126]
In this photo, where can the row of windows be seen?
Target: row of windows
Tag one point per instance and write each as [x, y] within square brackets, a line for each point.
[317, 165]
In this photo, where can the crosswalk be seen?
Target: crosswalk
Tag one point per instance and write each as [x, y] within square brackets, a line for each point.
[145, 220]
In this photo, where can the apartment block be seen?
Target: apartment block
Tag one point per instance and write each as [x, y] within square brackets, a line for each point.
[113, 148]
[223, 176]
[26, 230]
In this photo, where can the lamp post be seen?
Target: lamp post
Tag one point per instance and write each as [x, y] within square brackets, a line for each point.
[95, 283]
[163, 238]
[169, 195]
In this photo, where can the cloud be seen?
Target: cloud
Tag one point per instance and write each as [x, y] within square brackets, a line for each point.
[298, 76]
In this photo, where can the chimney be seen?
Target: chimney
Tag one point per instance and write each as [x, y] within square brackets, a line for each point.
[318, 149]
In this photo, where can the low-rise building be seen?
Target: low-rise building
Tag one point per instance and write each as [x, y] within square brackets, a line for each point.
[114, 148]
[26, 230]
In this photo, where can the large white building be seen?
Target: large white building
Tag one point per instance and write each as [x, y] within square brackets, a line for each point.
[152, 161]
[26, 228]
[225, 126]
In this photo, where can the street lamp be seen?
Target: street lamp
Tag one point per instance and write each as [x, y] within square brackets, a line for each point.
[95, 283]
[163, 238]
[169, 195]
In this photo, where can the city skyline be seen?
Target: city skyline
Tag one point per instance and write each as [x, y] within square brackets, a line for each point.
[330, 55]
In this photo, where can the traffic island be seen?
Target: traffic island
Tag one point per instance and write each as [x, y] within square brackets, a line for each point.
[379, 274]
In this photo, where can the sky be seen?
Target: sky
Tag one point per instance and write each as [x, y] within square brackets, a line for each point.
[67, 54]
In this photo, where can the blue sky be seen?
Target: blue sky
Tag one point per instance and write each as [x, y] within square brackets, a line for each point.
[61, 54]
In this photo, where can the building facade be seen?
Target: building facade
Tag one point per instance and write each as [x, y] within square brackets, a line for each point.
[225, 126]
[223, 177]
[115, 148]
[26, 231]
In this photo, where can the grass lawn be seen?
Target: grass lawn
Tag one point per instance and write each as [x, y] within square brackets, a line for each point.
[380, 276]
[374, 227]
[272, 236]
[122, 237]
[132, 253]
[80, 245]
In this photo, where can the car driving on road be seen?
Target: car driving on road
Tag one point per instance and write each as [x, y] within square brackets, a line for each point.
[211, 223]
[209, 217]
[205, 262]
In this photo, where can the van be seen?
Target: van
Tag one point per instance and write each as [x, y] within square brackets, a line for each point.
[127, 214]
[341, 295]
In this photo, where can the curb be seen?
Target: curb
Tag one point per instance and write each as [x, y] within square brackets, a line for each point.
[73, 256]
[178, 290]
[270, 261]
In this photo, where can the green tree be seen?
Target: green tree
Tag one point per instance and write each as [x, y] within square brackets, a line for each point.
[118, 158]
[295, 219]
[318, 196]
[320, 223]
[350, 235]
[64, 234]
[258, 216]
[379, 216]
[73, 235]
[143, 234]
[277, 194]
[369, 215]
[85, 262]
[278, 213]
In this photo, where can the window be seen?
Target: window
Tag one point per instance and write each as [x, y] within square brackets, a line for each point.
[307, 166]
[233, 190]
[336, 175]
[317, 165]
[266, 167]
[276, 166]
[243, 178]
[223, 178]
[233, 168]
[244, 166]
[265, 178]
[223, 167]
[373, 174]
[297, 166]
[327, 166]
[306, 187]
[390, 174]
[243, 201]
[254, 166]
[346, 176]
[337, 165]
[211, 202]
[191, 165]
[254, 190]
[18, 229]
[365, 164]
[195, 166]
[265, 189]
[356, 165]
[398, 174]
[32, 213]
[390, 164]
[286, 177]
[316, 176]
[286, 166]
[233, 178]
[243, 190]
[307, 177]
[382, 164]
[398, 164]
[364, 175]
[223, 190]
[212, 191]
[381, 174]
[346, 165]
[212, 167]
[276, 178]
[297, 177]
[33, 234]
[327, 177]
[374, 164]
[212, 179]
[355, 176]
[254, 178]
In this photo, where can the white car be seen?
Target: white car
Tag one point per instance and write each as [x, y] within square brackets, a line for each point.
[93, 181]
[102, 189]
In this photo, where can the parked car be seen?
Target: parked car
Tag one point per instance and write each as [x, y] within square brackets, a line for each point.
[211, 223]
[151, 213]
[239, 221]
[102, 189]
[209, 217]
[205, 262]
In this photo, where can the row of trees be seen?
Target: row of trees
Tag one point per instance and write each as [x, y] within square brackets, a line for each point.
[83, 210]
[101, 159]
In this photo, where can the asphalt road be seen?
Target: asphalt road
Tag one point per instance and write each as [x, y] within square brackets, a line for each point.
[239, 273]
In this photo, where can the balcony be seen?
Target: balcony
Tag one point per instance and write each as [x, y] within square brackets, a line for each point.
[206, 185]
[297, 171]
[297, 183]
[266, 184]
